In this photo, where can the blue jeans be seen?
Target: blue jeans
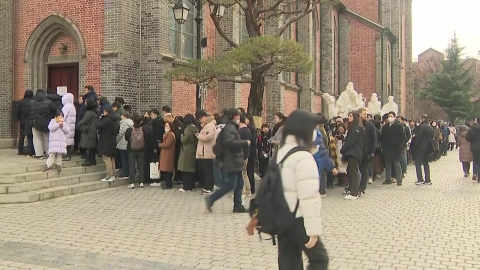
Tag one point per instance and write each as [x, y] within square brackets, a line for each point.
[217, 173]
[124, 162]
[231, 181]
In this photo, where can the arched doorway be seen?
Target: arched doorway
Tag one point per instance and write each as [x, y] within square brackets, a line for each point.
[39, 60]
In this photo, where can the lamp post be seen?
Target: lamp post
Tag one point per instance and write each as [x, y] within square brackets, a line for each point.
[180, 13]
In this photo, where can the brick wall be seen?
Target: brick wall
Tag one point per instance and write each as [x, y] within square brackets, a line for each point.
[362, 47]
[89, 21]
[290, 102]
[6, 66]
[71, 45]
[317, 104]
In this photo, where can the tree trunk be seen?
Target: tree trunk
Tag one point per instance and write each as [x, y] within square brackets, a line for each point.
[255, 98]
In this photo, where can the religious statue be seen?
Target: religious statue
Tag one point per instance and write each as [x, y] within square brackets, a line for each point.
[360, 101]
[331, 105]
[374, 105]
[347, 101]
[390, 106]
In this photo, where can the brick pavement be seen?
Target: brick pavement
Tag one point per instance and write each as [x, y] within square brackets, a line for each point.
[408, 227]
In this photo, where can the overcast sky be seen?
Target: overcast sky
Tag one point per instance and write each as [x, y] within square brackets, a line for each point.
[435, 20]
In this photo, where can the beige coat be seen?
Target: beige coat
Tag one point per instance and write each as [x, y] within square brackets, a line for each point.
[206, 139]
[464, 154]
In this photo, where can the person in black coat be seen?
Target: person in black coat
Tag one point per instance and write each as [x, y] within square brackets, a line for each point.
[22, 116]
[392, 138]
[264, 148]
[108, 126]
[150, 146]
[252, 159]
[352, 151]
[137, 157]
[232, 163]
[55, 99]
[89, 93]
[39, 116]
[422, 150]
[369, 143]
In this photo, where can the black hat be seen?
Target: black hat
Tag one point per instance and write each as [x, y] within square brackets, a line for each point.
[231, 113]
[201, 114]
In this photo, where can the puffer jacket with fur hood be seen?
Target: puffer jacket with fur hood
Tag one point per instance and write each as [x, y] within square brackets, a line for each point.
[206, 139]
[300, 183]
[125, 124]
[70, 116]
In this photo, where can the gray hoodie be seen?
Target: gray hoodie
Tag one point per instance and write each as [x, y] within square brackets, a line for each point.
[124, 125]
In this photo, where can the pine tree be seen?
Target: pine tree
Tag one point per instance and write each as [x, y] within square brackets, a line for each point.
[452, 87]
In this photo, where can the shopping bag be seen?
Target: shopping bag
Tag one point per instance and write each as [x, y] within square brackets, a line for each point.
[154, 172]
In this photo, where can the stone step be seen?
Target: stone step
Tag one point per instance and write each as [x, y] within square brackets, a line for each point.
[38, 165]
[51, 183]
[50, 193]
[39, 175]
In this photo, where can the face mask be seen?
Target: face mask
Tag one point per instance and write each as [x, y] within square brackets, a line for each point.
[434, 124]
[417, 124]
[237, 121]
[333, 125]
[391, 119]
[167, 130]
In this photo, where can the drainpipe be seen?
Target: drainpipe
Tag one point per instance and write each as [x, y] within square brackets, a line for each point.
[300, 88]
[139, 56]
[391, 68]
[13, 67]
[321, 56]
[382, 63]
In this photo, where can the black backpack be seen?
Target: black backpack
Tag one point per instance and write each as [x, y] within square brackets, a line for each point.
[218, 148]
[269, 209]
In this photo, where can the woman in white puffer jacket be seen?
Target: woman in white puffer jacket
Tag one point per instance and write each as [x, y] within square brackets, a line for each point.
[300, 181]
[70, 118]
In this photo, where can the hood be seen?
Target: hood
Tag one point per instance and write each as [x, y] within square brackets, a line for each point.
[40, 96]
[127, 121]
[104, 101]
[476, 128]
[90, 104]
[67, 98]
[54, 97]
[28, 94]
[211, 119]
[112, 116]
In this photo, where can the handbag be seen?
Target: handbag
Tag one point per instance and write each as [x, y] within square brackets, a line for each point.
[154, 172]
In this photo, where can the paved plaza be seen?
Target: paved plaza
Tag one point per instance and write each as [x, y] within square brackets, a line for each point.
[408, 227]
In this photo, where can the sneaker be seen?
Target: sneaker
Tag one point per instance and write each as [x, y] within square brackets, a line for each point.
[474, 177]
[394, 181]
[418, 183]
[323, 195]
[141, 185]
[399, 184]
[106, 179]
[122, 177]
[370, 181]
[350, 197]
[428, 183]
[155, 184]
[131, 186]
[111, 179]
[361, 194]
[465, 175]
[206, 192]
[240, 209]
[345, 192]
[47, 169]
[182, 190]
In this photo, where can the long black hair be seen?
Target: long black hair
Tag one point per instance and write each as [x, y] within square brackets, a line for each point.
[301, 125]
[282, 118]
[356, 120]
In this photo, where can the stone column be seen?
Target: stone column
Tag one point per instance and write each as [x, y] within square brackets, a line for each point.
[344, 51]
[327, 54]
[120, 63]
[274, 90]
[6, 66]
[408, 56]
[229, 93]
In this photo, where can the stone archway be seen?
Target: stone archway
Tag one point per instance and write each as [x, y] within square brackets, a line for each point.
[40, 43]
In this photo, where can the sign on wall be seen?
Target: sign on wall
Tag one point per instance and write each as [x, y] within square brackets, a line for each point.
[62, 90]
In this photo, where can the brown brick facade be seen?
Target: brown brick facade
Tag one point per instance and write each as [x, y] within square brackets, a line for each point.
[123, 48]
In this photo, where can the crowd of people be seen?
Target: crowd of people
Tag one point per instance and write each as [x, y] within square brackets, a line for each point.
[218, 153]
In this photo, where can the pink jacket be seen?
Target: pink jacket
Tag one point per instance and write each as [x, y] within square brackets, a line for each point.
[206, 139]
[57, 139]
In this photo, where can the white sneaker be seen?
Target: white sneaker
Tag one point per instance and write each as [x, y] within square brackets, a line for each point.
[181, 190]
[323, 195]
[350, 197]
[131, 186]
[105, 179]
[111, 179]
[141, 185]
[155, 184]
[370, 181]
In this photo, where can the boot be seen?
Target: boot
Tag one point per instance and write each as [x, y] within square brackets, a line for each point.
[93, 160]
[87, 162]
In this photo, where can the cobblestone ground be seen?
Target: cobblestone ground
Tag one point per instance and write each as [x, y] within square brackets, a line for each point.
[408, 227]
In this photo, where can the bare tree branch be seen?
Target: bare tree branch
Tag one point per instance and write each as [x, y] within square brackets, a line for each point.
[305, 11]
[280, 13]
[220, 30]
[269, 9]
[235, 80]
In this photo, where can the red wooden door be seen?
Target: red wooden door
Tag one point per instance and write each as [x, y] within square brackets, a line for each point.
[66, 76]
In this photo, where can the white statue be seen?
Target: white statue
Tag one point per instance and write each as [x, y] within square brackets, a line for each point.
[347, 101]
[331, 105]
[390, 106]
[360, 101]
[374, 105]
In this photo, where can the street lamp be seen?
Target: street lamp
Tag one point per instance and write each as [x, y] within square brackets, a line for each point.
[180, 13]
